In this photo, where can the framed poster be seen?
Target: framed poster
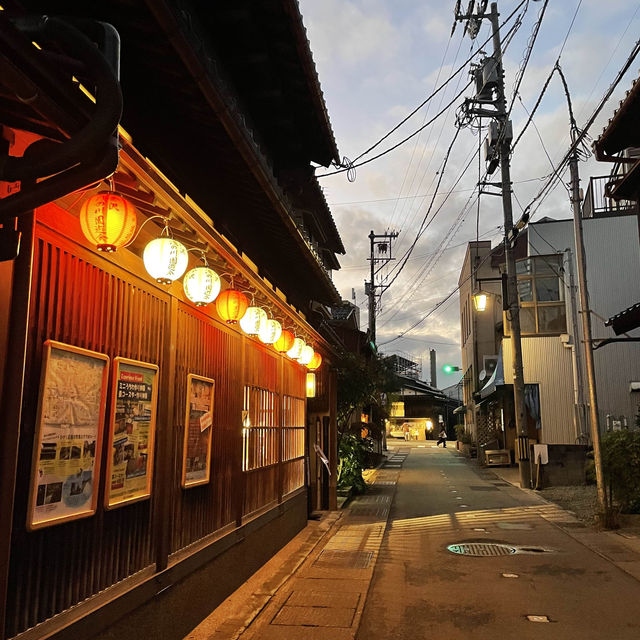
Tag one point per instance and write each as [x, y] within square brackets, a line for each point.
[196, 460]
[132, 430]
[67, 442]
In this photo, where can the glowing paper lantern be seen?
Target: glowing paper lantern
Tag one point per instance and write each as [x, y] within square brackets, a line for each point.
[201, 285]
[306, 355]
[316, 361]
[108, 220]
[296, 350]
[311, 385]
[252, 320]
[270, 331]
[165, 259]
[231, 305]
[284, 342]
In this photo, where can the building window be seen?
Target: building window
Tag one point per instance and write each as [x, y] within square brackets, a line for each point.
[292, 428]
[259, 429]
[397, 410]
[541, 296]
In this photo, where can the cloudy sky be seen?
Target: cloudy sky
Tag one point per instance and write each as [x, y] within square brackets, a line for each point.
[379, 59]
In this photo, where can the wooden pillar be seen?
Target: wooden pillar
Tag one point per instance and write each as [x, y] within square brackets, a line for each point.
[164, 441]
[11, 399]
[332, 454]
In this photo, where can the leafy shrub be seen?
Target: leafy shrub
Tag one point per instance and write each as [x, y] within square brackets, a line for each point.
[621, 468]
[351, 457]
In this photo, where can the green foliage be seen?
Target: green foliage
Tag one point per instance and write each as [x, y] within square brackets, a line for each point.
[621, 468]
[351, 456]
[363, 383]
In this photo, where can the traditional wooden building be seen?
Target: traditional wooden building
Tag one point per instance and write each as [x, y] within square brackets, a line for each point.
[154, 455]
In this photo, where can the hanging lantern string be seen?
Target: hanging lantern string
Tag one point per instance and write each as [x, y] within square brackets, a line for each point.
[165, 228]
[203, 255]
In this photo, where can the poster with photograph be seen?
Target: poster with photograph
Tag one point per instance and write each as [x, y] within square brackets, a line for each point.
[196, 462]
[131, 432]
[68, 435]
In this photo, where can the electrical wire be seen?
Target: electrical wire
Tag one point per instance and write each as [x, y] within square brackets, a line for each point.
[354, 164]
[550, 183]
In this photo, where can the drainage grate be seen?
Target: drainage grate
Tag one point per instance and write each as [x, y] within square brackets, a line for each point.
[483, 488]
[481, 549]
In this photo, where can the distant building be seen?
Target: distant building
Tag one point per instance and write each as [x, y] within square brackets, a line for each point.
[553, 367]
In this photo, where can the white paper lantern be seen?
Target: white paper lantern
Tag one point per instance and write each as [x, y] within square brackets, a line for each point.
[201, 285]
[165, 259]
[270, 331]
[252, 321]
[306, 355]
[296, 349]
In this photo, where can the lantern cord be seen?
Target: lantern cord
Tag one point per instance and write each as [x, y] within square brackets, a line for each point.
[165, 228]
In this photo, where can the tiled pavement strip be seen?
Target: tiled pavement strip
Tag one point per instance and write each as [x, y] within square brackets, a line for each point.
[324, 595]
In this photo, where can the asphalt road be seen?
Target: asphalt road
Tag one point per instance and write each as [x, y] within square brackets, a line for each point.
[422, 590]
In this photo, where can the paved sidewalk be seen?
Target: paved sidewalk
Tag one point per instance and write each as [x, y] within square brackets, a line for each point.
[316, 586]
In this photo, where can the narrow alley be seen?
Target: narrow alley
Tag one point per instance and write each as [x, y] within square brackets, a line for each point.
[463, 554]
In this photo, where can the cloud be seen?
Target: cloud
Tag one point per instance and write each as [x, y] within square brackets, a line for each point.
[377, 60]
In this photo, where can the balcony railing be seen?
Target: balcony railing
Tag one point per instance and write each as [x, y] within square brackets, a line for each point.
[597, 203]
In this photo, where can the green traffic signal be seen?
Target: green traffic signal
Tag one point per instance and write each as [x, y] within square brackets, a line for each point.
[449, 368]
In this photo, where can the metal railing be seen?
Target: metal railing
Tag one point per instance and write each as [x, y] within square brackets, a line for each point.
[597, 203]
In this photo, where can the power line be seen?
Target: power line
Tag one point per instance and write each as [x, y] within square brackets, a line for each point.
[354, 164]
[545, 189]
[423, 195]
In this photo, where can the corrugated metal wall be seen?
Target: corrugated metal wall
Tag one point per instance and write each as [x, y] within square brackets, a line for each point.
[82, 299]
[547, 363]
[613, 277]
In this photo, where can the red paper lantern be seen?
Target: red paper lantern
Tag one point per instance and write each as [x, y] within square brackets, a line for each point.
[284, 342]
[108, 220]
[316, 361]
[231, 305]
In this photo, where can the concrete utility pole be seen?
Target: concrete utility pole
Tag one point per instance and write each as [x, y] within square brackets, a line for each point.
[383, 243]
[434, 368]
[586, 330]
[503, 152]
[513, 312]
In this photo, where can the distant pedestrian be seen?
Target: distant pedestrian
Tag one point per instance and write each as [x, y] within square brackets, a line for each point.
[442, 438]
[406, 431]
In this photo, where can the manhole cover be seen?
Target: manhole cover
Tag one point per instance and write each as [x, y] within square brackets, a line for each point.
[481, 549]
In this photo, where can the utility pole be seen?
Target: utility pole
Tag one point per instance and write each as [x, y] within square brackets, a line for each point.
[501, 151]
[381, 242]
[603, 506]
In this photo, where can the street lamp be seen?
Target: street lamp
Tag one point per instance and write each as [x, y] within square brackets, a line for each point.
[480, 300]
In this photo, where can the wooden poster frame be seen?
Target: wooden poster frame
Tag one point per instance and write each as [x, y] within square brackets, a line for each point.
[48, 347]
[195, 483]
[109, 502]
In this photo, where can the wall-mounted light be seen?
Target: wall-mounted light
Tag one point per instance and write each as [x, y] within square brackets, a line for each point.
[480, 300]
[165, 259]
[201, 285]
[311, 385]
[270, 331]
[108, 220]
[253, 319]
[231, 305]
